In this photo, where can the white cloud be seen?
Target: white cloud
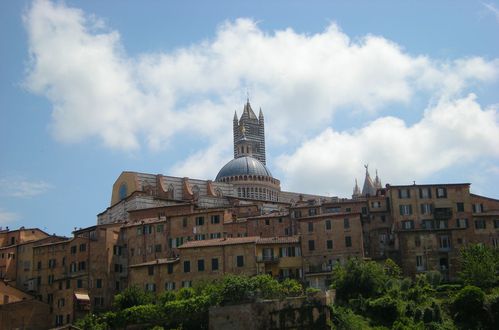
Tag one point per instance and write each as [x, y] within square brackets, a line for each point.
[7, 217]
[22, 187]
[301, 80]
[493, 9]
[452, 131]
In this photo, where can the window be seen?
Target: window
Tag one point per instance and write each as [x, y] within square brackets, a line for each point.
[329, 244]
[404, 193]
[427, 224]
[151, 287]
[199, 221]
[199, 237]
[348, 241]
[118, 268]
[186, 284]
[419, 263]
[444, 242]
[52, 263]
[39, 265]
[310, 227]
[442, 224]
[496, 223]
[187, 266]
[159, 228]
[417, 241]
[68, 284]
[312, 212]
[364, 210]
[346, 223]
[477, 208]
[328, 224]
[495, 242]
[83, 247]
[426, 209]
[460, 207]
[150, 270]
[425, 192]
[184, 222]
[82, 265]
[61, 302]
[98, 283]
[73, 249]
[480, 224]
[405, 209]
[215, 235]
[201, 265]
[311, 245]
[157, 248]
[117, 250]
[79, 283]
[139, 230]
[462, 223]
[408, 224]
[51, 279]
[73, 267]
[169, 268]
[376, 204]
[441, 192]
[240, 261]
[215, 219]
[214, 264]
[170, 286]
[99, 301]
[50, 298]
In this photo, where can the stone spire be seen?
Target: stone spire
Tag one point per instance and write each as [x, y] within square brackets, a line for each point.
[377, 181]
[356, 190]
[368, 188]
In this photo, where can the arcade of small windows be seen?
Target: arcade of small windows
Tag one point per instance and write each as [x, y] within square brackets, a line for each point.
[257, 193]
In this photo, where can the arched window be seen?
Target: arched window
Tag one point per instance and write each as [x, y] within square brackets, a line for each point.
[123, 191]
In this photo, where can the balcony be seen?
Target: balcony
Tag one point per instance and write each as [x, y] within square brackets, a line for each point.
[267, 259]
[442, 213]
[324, 268]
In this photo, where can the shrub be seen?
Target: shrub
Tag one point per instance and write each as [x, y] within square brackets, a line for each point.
[132, 296]
[468, 307]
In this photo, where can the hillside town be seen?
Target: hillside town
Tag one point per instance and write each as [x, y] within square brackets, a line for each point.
[163, 233]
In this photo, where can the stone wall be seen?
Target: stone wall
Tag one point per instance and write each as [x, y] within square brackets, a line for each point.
[290, 313]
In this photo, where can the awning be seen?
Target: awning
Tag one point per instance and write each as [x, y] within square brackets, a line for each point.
[82, 296]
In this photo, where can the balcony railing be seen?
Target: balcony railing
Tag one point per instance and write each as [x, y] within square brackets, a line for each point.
[442, 213]
[267, 259]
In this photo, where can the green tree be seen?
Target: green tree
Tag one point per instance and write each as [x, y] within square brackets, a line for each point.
[359, 278]
[132, 296]
[468, 308]
[479, 265]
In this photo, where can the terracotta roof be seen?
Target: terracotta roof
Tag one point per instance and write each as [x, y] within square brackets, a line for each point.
[219, 242]
[279, 240]
[156, 262]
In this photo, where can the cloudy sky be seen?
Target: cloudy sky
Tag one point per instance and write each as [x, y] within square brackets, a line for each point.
[92, 88]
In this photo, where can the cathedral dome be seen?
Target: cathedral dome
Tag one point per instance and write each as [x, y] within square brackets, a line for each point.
[243, 166]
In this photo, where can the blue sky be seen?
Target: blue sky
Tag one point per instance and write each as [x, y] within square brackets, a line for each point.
[92, 88]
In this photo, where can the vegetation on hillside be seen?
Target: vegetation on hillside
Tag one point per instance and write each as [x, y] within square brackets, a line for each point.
[369, 295]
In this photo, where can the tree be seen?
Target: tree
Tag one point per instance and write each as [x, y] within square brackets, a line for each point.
[359, 278]
[478, 265]
[132, 296]
[468, 308]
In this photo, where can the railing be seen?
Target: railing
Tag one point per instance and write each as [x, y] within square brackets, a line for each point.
[442, 213]
[268, 259]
